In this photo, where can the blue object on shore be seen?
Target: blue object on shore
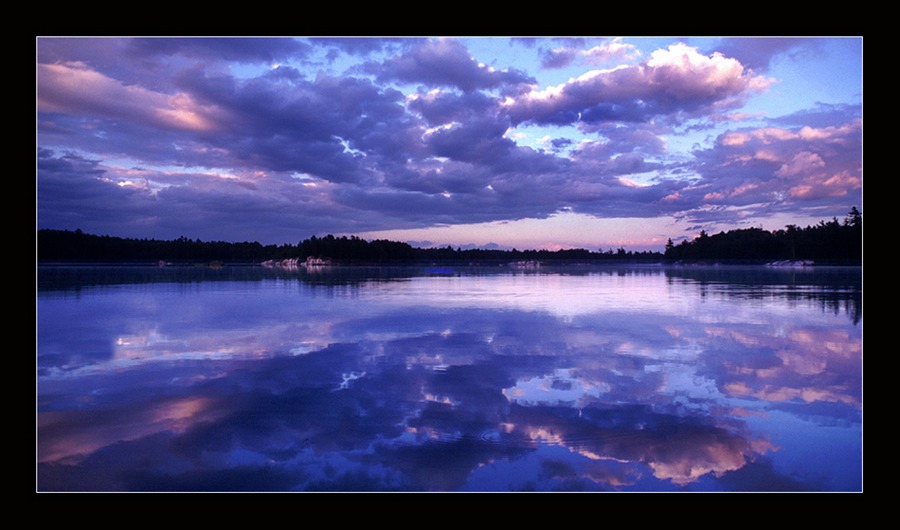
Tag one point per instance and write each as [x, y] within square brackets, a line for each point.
[439, 270]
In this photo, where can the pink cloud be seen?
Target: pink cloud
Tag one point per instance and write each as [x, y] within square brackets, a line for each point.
[802, 163]
[774, 163]
[614, 49]
[673, 80]
[74, 88]
[824, 185]
[689, 75]
[769, 135]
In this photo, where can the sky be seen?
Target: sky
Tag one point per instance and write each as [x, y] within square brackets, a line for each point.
[489, 142]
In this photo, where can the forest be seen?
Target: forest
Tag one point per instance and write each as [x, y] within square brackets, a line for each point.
[832, 242]
[826, 242]
[77, 246]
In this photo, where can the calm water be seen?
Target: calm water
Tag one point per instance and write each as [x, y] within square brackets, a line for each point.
[604, 379]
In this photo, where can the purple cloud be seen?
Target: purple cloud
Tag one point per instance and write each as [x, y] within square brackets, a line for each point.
[670, 83]
[446, 62]
[242, 50]
[770, 169]
[758, 53]
[574, 51]
[441, 107]
[558, 57]
[216, 138]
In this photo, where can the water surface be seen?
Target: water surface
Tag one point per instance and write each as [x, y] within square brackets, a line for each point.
[467, 379]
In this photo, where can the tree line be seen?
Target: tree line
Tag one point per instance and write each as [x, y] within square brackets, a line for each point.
[832, 240]
[827, 241]
[77, 246]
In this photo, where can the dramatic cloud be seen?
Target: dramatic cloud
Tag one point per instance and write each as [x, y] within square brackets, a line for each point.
[304, 136]
[612, 50]
[805, 167]
[75, 89]
[672, 81]
[247, 50]
[446, 62]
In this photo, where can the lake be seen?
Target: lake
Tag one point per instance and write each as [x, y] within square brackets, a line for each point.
[449, 379]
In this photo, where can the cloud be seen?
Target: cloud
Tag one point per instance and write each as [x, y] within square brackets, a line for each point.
[242, 50]
[607, 52]
[757, 54]
[559, 57]
[331, 127]
[74, 88]
[274, 123]
[820, 115]
[74, 192]
[670, 82]
[415, 132]
[440, 107]
[446, 62]
[155, 63]
[777, 167]
[361, 46]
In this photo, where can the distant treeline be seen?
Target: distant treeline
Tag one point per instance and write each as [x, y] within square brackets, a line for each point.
[833, 240]
[77, 246]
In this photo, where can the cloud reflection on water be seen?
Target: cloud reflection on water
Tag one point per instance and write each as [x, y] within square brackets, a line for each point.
[436, 384]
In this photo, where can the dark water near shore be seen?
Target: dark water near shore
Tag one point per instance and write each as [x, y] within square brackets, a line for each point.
[623, 379]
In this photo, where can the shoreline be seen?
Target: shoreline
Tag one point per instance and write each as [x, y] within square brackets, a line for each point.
[520, 264]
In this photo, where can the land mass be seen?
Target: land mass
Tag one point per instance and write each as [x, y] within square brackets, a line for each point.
[834, 241]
